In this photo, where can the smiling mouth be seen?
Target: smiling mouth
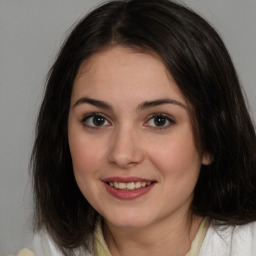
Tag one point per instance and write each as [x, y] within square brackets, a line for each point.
[129, 185]
[128, 188]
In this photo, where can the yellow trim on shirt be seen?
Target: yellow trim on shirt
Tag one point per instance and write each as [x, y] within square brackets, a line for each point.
[101, 248]
[199, 238]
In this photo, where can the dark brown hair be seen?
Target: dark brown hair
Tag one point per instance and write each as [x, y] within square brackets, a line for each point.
[201, 66]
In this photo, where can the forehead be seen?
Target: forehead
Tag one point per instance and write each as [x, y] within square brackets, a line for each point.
[122, 58]
[125, 71]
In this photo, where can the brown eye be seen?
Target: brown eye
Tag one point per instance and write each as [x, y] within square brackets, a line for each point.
[98, 120]
[95, 120]
[160, 121]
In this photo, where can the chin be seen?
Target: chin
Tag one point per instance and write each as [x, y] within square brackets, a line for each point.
[129, 220]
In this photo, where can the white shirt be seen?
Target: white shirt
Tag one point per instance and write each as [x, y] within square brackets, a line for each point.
[230, 241]
[219, 241]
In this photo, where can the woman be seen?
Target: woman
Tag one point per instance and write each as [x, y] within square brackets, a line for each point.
[144, 145]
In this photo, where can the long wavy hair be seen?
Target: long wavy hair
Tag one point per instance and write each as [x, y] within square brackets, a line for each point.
[200, 64]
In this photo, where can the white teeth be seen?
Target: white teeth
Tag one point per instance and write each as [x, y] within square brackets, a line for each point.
[129, 185]
[121, 185]
[138, 185]
[116, 184]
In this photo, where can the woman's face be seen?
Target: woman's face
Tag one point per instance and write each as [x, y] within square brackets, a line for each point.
[131, 140]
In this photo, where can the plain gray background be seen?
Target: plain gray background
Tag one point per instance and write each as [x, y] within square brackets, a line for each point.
[31, 32]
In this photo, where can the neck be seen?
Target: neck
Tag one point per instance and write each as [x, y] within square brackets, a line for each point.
[169, 235]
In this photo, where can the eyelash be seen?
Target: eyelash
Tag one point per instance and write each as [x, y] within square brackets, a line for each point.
[85, 119]
[165, 117]
[104, 119]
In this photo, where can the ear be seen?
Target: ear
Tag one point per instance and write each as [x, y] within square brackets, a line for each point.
[207, 158]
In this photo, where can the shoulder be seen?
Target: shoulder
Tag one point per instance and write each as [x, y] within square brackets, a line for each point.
[230, 240]
[23, 252]
[43, 245]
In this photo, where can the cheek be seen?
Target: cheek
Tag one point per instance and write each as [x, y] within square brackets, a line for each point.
[86, 154]
[177, 157]
[87, 160]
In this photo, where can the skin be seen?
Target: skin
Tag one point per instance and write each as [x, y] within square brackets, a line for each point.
[130, 143]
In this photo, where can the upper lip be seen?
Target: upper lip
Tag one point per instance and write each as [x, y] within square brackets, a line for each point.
[126, 179]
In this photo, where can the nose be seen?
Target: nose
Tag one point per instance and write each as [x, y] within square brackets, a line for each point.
[125, 150]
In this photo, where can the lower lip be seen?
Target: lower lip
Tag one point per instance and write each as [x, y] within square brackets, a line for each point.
[128, 194]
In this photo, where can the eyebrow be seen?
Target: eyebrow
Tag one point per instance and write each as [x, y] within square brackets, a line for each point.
[143, 106]
[158, 102]
[94, 102]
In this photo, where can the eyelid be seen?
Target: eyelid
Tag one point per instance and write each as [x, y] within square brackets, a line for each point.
[86, 117]
[168, 118]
